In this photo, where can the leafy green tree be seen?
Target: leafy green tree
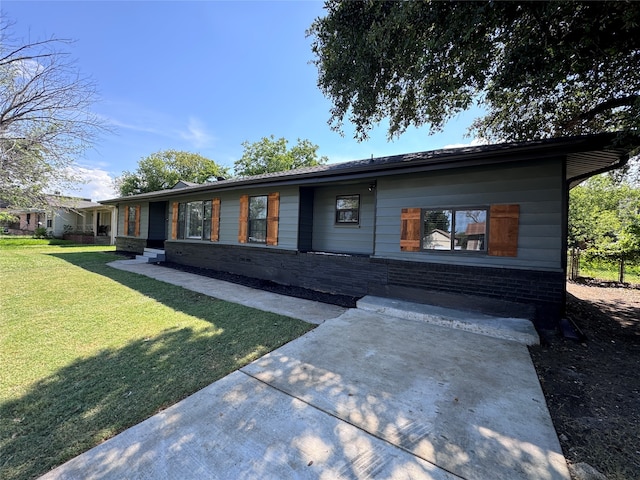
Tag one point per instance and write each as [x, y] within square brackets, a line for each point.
[164, 169]
[269, 155]
[45, 118]
[7, 218]
[539, 69]
[604, 220]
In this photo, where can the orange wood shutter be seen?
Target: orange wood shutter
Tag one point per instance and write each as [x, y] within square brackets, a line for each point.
[126, 220]
[410, 230]
[137, 228]
[273, 216]
[243, 220]
[503, 230]
[174, 221]
[215, 219]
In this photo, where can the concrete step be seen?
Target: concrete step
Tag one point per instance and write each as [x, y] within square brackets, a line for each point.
[508, 328]
[151, 255]
[156, 251]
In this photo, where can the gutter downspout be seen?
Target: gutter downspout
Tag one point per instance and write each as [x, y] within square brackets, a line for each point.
[374, 188]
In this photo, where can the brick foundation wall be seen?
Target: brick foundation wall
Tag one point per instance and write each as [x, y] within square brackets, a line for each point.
[361, 275]
[349, 275]
[543, 289]
[129, 244]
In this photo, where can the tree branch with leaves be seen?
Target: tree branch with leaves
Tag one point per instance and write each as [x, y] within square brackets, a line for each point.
[539, 69]
[46, 120]
[269, 155]
[162, 170]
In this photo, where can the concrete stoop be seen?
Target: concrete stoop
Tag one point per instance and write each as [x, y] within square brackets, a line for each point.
[151, 255]
[519, 330]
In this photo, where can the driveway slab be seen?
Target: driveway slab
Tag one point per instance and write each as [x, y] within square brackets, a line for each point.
[240, 428]
[364, 395]
[468, 403]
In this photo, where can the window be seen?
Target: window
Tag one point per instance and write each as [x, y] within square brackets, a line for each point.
[258, 219]
[192, 220]
[49, 223]
[348, 209]
[418, 229]
[454, 229]
[132, 220]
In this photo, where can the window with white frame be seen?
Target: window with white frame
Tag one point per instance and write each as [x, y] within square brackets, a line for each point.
[348, 209]
[194, 220]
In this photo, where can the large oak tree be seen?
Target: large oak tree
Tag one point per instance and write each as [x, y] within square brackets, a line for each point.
[539, 69]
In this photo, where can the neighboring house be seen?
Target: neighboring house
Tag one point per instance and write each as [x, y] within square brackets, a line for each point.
[64, 215]
[436, 239]
[361, 227]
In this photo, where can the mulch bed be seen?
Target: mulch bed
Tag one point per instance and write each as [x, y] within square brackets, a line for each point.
[592, 386]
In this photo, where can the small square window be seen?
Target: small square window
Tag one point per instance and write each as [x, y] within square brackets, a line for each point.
[348, 209]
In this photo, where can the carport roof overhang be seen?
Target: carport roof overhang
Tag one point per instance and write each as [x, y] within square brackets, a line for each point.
[585, 156]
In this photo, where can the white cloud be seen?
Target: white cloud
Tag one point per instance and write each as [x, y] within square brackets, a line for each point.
[98, 184]
[474, 143]
[197, 134]
[140, 119]
[136, 127]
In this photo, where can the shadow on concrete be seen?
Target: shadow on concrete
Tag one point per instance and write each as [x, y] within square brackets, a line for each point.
[469, 404]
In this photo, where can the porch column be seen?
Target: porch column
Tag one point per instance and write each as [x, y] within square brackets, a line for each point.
[114, 225]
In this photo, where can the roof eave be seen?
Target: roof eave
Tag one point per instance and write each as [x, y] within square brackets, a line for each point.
[407, 163]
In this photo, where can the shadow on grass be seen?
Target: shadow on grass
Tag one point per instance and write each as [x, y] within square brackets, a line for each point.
[94, 398]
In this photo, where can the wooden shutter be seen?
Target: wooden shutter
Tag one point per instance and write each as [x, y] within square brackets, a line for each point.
[137, 227]
[503, 230]
[174, 220]
[243, 219]
[273, 216]
[410, 230]
[126, 220]
[215, 219]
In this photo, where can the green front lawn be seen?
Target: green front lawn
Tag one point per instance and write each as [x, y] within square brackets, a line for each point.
[87, 351]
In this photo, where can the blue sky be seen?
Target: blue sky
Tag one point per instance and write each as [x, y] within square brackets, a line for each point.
[202, 77]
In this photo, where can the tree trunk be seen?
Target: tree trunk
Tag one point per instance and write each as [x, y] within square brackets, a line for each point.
[574, 267]
[621, 272]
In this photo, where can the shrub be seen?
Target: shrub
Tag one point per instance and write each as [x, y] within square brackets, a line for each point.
[40, 232]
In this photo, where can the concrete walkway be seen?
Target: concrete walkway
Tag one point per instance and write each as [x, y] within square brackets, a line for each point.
[310, 312]
[364, 395]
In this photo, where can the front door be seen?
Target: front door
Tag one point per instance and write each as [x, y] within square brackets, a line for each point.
[157, 224]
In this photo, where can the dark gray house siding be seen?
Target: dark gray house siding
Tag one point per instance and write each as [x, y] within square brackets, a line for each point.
[313, 251]
[328, 236]
[537, 188]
